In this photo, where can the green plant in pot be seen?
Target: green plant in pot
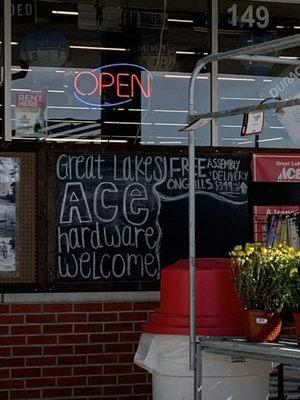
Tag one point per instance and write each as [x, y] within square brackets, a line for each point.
[261, 277]
[294, 301]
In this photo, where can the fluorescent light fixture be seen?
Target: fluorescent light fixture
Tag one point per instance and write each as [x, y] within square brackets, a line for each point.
[171, 111]
[167, 124]
[136, 109]
[21, 69]
[267, 80]
[55, 91]
[183, 76]
[279, 26]
[296, 27]
[205, 54]
[270, 140]
[289, 57]
[236, 138]
[97, 48]
[69, 108]
[21, 90]
[60, 71]
[183, 21]
[236, 79]
[60, 12]
[127, 123]
[177, 142]
[12, 43]
[248, 142]
[185, 52]
[277, 127]
[242, 98]
[85, 140]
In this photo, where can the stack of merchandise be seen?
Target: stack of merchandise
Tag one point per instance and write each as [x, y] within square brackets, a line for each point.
[283, 229]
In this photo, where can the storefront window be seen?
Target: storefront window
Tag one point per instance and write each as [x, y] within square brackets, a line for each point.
[243, 23]
[107, 71]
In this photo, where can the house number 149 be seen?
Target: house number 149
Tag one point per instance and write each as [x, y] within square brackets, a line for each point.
[252, 15]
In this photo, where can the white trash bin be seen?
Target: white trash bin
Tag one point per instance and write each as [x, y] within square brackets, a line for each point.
[224, 378]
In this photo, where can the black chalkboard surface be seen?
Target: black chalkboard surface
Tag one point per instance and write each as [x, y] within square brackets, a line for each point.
[123, 218]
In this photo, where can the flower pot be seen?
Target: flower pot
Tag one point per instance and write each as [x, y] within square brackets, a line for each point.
[262, 326]
[297, 323]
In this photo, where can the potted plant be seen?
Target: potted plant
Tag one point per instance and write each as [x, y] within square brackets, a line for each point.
[294, 301]
[261, 277]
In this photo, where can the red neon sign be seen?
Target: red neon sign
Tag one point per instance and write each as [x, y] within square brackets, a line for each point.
[122, 87]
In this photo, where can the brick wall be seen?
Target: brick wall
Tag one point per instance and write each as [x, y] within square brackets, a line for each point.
[72, 351]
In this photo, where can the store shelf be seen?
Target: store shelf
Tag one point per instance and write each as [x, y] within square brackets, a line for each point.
[283, 352]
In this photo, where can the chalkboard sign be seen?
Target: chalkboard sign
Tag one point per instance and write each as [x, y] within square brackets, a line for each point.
[124, 217]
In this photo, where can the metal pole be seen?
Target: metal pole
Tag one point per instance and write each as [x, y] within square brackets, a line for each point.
[214, 71]
[7, 70]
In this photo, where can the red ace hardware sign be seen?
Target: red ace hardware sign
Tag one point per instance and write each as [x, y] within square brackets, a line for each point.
[276, 168]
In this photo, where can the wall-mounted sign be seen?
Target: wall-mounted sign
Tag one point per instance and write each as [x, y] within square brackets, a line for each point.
[141, 19]
[112, 85]
[22, 10]
[253, 123]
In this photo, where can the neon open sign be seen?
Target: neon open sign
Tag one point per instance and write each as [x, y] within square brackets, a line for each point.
[113, 85]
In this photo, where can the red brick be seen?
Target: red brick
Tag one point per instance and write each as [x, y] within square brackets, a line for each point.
[4, 330]
[43, 339]
[118, 348]
[104, 338]
[55, 393]
[5, 351]
[133, 316]
[88, 328]
[145, 305]
[145, 388]
[12, 362]
[72, 318]
[62, 328]
[102, 380]
[56, 350]
[88, 349]
[12, 384]
[88, 370]
[11, 340]
[4, 374]
[57, 371]
[125, 358]
[4, 308]
[118, 327]
[26, 308]
[116, 390]
[57, 308]
[72, 381]
[4, 395]
[88, 307]
[26, 330]
[11, 319]
[71, 360]
[73, 339]
[130, 337]
[26, 372]
[103, 317]
[40, 318]
[118, 369]
[117, 306]
[27, 351]
[136, 378]
[41, 361]
[40, 382]
[25, 394]
[88, 391]
[103, 359]
[138, 326]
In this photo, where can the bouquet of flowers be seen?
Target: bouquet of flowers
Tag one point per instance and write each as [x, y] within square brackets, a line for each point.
[262, 275]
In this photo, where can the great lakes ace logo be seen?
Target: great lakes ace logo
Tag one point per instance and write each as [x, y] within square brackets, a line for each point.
[113, 85]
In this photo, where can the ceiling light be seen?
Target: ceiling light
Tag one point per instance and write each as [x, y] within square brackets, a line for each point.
[242, 98]
[289, 57]
[184, 76]
[59, 12]
[85, 140]
[97, 48]
[184, 21]
[185, 52]
[269, 140]
[248, 142]
[236, 79]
